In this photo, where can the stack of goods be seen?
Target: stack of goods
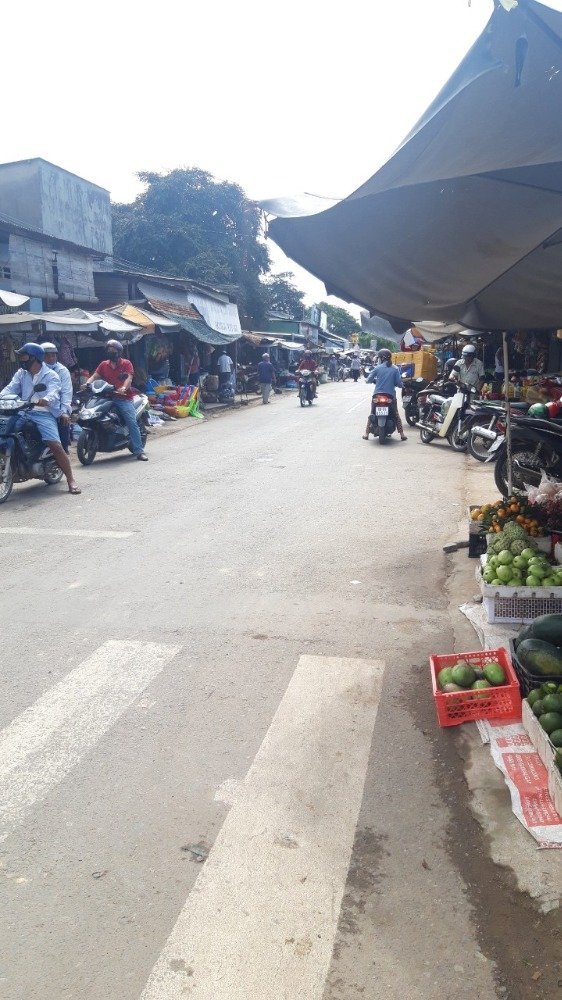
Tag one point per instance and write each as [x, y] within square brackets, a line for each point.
[181, 401]
[519, 580]
[547, 502]
[537, 659]
[471, 686]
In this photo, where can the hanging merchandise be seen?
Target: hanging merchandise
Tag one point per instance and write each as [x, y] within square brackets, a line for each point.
[67, 357]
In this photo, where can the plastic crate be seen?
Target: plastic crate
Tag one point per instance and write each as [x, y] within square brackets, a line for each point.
[503, 702]
[527, 680]
[546, 752]
[521, 605]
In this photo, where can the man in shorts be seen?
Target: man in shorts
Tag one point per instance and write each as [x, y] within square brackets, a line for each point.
[47, 402]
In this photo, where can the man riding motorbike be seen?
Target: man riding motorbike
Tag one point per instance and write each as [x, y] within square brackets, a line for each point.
[308, 363]
[387, 379]
[118, 372]
[46, 410]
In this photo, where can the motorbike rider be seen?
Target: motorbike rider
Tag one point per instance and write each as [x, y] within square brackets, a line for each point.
[46, 409]
[308, 363]
[67, 390]
[469, 369]
[118, 372]
[387, 379]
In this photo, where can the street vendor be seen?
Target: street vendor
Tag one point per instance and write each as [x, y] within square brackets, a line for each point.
[470, 368]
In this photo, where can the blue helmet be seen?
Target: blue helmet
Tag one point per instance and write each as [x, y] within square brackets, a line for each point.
[34, 351]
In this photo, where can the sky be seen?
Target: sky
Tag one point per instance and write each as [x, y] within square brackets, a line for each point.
[303, 96]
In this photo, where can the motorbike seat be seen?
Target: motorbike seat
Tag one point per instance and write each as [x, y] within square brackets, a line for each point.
[435, 398]
[552, 426]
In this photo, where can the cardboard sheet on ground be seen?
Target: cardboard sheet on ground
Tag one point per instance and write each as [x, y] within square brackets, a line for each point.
[526, 777]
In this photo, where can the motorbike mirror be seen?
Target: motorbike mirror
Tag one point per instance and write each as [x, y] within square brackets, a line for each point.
[40, 387]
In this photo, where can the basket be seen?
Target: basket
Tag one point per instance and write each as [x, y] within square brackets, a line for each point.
[528, 680]
[521, 605]
[502, 702]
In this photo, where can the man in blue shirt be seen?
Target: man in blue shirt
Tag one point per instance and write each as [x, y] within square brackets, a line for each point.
[63, 420]
[46, 409]
[387, 379]
[266, 376]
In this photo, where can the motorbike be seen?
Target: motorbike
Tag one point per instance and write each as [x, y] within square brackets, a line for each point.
[411, 394]
[343, 372]
[536, 448]
[306, 387]
[381, 422]
[486, 428]
[23, 455]
[443, 417]
[102, 426]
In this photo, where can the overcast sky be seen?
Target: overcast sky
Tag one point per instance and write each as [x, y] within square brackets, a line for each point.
[299, 96]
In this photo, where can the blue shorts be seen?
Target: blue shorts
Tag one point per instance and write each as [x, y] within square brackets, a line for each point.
[45, 423]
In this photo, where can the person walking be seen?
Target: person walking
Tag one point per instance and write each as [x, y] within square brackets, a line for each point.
[333, 368]
[355, 367]
[67, 391]
[266, 376]
[118, 372]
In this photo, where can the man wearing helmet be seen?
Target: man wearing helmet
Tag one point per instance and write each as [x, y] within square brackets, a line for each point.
[46, 410]
[118, 372]
[470, 368]
[52, 362]
[387, 379]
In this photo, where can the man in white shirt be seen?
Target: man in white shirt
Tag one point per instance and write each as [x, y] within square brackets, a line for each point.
[46, 402]
[63, 420]
[225, 366]
[471, 369]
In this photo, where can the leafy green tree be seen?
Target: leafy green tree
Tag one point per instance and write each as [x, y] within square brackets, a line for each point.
[187, 224]
[284, 296]
[340, 321]
[365, 341]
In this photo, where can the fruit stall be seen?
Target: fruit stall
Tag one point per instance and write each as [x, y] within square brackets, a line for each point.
[512, 688]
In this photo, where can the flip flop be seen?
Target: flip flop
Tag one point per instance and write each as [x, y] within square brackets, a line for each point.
[365, 437]
[74, 490]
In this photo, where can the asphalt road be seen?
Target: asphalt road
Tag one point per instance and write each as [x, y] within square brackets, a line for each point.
[215, 669]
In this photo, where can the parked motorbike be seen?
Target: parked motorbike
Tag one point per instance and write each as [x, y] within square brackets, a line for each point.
[411, 394]
[536, 448]
[486, 428]
[102, 426]
[381, 422]
[306, 387]
[23, 455]
[444, 417]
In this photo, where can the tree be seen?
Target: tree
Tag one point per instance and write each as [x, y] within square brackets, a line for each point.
[366, 338]
[284, 296]
[340, 321]
[187, 224]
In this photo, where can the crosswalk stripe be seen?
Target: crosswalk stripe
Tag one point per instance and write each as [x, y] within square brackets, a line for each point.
[261, 919]
[20, 529]
[43, 744]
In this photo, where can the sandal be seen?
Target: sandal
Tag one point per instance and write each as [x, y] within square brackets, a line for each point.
[74, 490]
[365, 437]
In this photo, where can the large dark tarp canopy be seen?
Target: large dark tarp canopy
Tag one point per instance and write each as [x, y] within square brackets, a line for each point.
[464, 223]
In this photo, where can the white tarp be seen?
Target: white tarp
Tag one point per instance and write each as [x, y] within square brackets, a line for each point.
[12, 299]
[220, 316]
[16, 319]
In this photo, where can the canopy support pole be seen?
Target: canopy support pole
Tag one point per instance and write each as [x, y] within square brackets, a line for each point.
[507, 412]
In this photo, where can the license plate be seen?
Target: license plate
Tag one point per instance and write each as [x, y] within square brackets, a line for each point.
[381, 411]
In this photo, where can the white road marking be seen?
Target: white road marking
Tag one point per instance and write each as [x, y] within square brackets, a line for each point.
[64, 533]
[42, 745]
[261, 919]
[362, 402]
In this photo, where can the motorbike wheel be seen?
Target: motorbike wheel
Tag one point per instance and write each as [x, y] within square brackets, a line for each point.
[87, 446]
[412, 417]
[426, 436]
[302, 397]
[478, 447]
[53, 474]
[382, 434]
[6, 478]
[456, 437]
[520, 453]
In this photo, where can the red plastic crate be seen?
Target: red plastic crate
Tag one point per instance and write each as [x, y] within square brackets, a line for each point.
[503, 702]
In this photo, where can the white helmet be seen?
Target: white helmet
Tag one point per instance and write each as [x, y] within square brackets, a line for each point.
[468, 350]
[49, 348]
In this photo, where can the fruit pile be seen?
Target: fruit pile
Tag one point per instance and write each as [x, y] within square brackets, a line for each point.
[546, 703]
[493, 517]
[527, 569]
[463, 677]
